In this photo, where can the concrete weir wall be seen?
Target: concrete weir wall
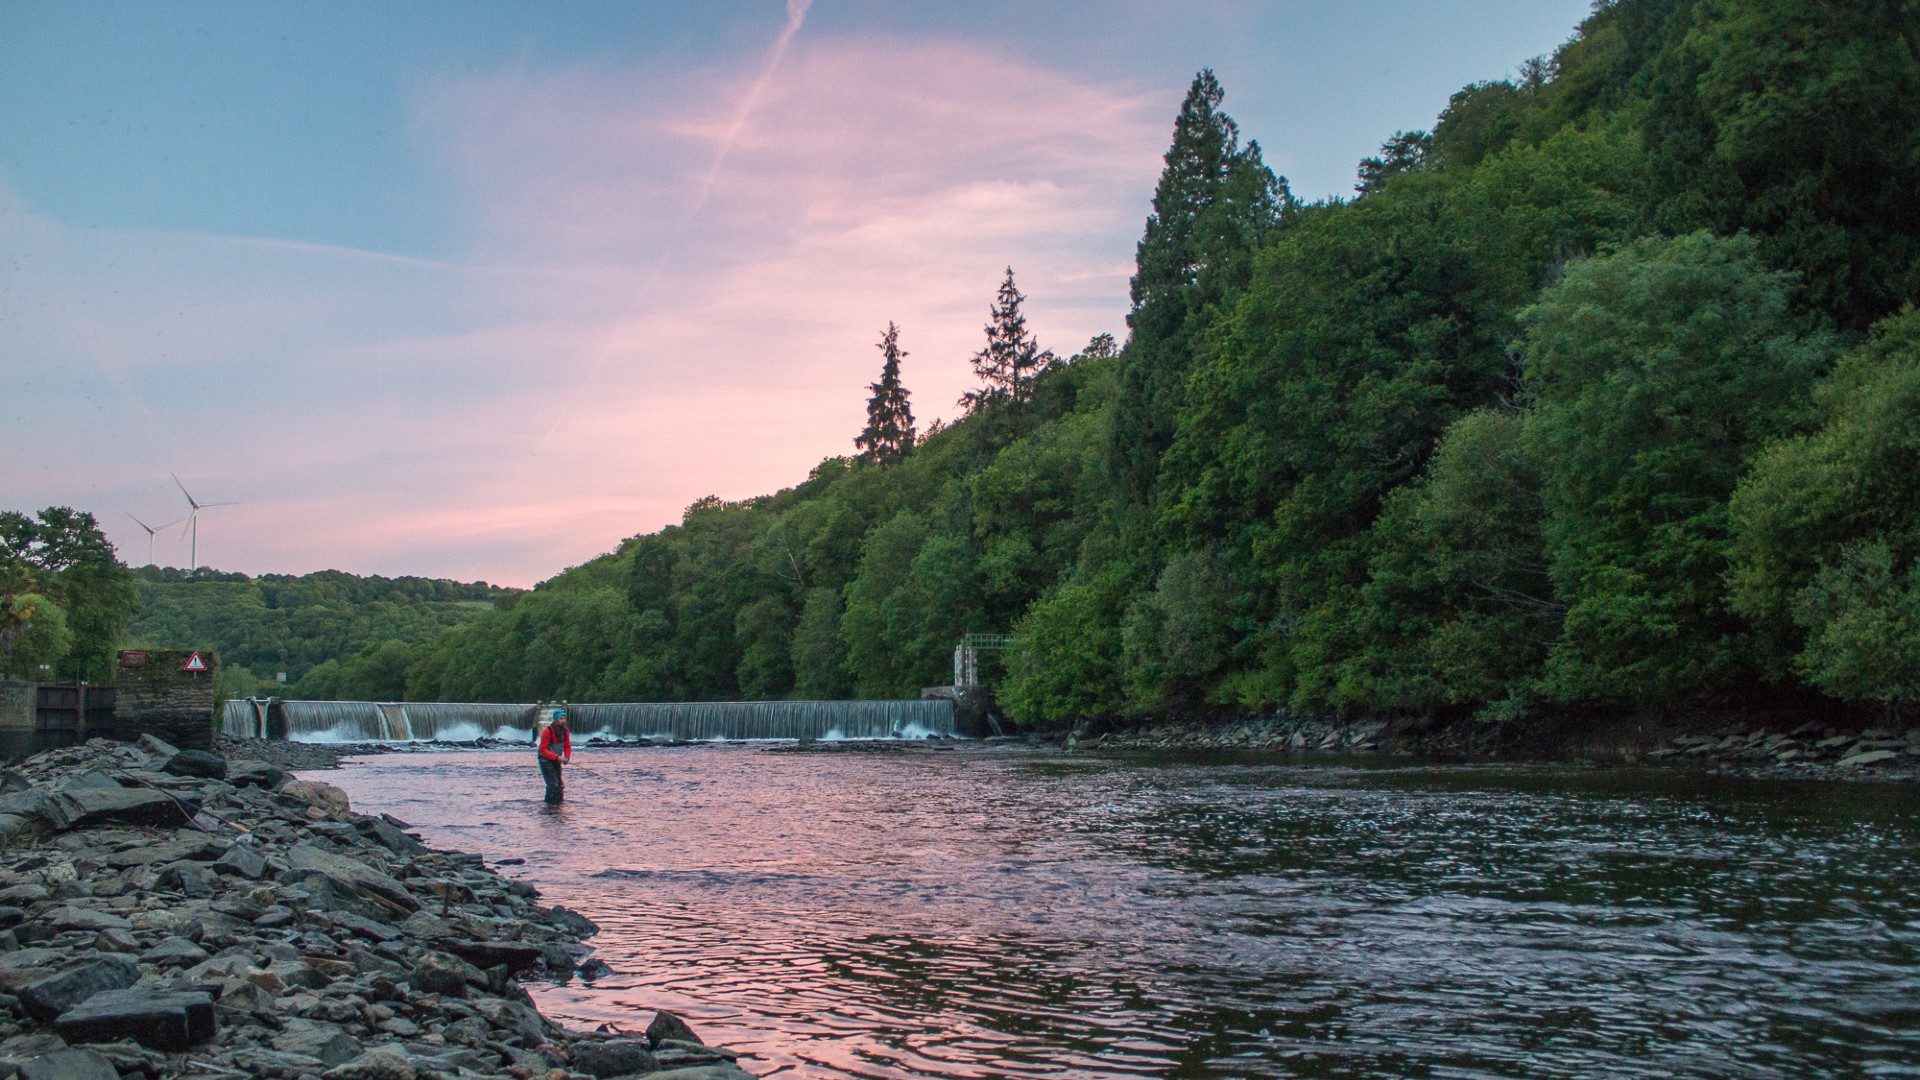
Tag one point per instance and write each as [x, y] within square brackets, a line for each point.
[158, 696]
[388, 721]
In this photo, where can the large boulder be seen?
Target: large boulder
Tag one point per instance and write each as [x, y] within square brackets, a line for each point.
[448, 976]
[316, 793]
[328, 1042]
[353, 875]
[24, 803]
[157, 746]
[242, 861]
[51, 995]
[258, 774]
[667, 1027]
[197, 763]
[515, 1016]
[390, 836]
[571, 922]
[613, 1057]
[15, 826]
[87, 807]
[518, 956]
[379, 1063]
[161, 1019]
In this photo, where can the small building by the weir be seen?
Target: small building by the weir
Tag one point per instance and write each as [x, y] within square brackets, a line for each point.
[167, 693]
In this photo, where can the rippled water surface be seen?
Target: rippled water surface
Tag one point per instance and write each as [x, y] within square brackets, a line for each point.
[979, 912]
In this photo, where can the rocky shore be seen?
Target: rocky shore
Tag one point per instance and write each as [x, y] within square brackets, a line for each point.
[1808, 749]
[182, 913]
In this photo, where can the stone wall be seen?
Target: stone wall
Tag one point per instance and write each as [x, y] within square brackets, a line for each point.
[18, 700]
[158, 697]
[19, 720]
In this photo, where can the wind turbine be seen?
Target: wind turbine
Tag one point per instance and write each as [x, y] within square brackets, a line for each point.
[193, 523]
[151, 529]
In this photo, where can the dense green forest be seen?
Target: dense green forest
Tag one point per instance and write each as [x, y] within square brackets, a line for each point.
[333, 634]
[1603, 392]
[64, 596]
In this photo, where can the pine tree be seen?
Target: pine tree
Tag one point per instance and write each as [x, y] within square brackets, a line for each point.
[889, 433]
[1216, 203]
[1011, 361]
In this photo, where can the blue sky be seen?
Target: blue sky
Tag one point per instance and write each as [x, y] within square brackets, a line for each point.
[479, 289]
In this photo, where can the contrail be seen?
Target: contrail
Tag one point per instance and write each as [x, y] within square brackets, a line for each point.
[796, 13]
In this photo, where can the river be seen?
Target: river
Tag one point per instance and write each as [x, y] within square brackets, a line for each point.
[987, 912]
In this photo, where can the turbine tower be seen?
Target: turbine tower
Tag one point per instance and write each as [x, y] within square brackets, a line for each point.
[151, 529]
[193, 523]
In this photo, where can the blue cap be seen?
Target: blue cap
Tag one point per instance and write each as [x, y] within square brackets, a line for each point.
[559, 714]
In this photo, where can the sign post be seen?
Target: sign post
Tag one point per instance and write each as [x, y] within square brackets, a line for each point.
[193, 663]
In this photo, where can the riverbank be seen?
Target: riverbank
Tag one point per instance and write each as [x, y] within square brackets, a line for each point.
[1808, 748]
[173, 913]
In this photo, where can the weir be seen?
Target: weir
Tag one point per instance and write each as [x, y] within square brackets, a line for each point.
[694, 721]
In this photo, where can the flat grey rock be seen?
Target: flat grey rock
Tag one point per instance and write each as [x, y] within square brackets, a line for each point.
[352, 873]
[198, 848]
[68, 1065]
[255, 774]
[197, 763]
[174, 950]
[327, 1042]
[85, 918]
[86, 807]
[613, 1057]
[518, 956]
[169, 1020]
[380, 1063]
[242, 861]
[703, 1072]
[49, 997]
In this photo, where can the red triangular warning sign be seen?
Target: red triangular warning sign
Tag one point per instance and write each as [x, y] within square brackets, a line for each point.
[194, 663]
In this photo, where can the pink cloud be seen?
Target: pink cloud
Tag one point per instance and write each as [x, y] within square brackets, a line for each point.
[664, 295]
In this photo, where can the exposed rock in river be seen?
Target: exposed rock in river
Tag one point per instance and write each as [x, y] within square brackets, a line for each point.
[167, 912]
[1809, 749]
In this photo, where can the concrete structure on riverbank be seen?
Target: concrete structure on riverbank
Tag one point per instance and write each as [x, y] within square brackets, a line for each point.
[687, 721]
[166, 693]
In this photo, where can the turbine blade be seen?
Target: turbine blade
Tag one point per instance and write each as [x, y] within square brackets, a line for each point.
[183, 491]
[140, 523]
[204, 506]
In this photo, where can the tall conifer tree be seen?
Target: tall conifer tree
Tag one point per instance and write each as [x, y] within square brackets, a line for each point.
[889, 433]
[1215, 205]
[1011, 361]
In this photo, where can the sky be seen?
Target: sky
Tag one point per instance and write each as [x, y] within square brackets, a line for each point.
[478, 290]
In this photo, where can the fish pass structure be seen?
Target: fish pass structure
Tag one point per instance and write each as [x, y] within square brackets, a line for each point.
[697, 721]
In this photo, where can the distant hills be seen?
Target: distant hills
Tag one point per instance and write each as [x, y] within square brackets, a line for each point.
[307, 626]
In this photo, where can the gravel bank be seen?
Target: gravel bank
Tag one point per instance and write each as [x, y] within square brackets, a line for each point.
[180, 913]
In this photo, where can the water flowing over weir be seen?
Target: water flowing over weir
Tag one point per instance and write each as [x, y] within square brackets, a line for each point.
[696, 721]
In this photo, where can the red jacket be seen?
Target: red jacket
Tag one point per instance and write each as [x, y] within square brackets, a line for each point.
[554, 734]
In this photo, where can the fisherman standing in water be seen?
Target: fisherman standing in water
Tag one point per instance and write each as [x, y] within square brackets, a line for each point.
[556, 749]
